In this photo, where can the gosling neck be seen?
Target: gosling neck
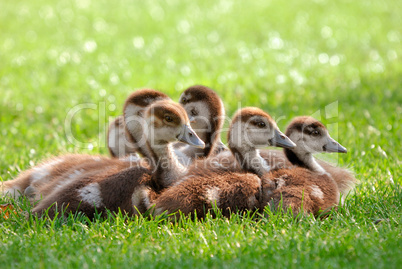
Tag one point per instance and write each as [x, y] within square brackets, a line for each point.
[303, 159]
[249, 159]
[166, 167]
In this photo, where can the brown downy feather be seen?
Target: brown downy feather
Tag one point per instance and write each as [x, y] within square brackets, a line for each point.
[96, 192]
[113, 187]
[45, 172]
[205, 184]
[344, 178]
[57, 168]
[301, 190]
[278, 160]
[37, 192]
[296, 188]
[225, 161]
[302, 182]
[229, 192]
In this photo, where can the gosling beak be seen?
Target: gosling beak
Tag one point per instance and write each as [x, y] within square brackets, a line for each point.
[334, 146]
[188, 136]
[281, 140]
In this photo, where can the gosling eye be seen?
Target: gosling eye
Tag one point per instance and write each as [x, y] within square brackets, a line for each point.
[194, 112]
[184, 100]
[315, 133]
[261, 124]
[168, 118]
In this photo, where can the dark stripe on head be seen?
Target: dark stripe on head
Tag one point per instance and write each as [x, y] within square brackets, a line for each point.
[144, 97]
[304, 124]
[167, 107]
[247, 113]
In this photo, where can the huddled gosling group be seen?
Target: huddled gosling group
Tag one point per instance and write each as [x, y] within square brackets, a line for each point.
[168, 158]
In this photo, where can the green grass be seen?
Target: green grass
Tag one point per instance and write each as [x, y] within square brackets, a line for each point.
[288, 57]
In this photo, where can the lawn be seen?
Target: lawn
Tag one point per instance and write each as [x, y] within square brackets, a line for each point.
[66, 68]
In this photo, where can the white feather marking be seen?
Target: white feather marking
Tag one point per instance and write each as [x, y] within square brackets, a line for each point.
[91, 194]
[61, 183]
[264, 163]
[281, 182]
[145, 194]
[76, 174]
[136, 197]
[317, 192]
[42, 171]
[212, 195]
[140, 194]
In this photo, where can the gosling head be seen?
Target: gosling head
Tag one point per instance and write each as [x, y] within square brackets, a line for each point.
[167, 122]
[253, 128]
[311, 136]
[134, 108]
[205, 110]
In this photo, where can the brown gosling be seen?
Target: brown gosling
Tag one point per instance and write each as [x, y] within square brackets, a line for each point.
[205, 186]
[303, 190]
[311, 136]
[39, 181]
[127, 190]
[207, 113]
[126, 134]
